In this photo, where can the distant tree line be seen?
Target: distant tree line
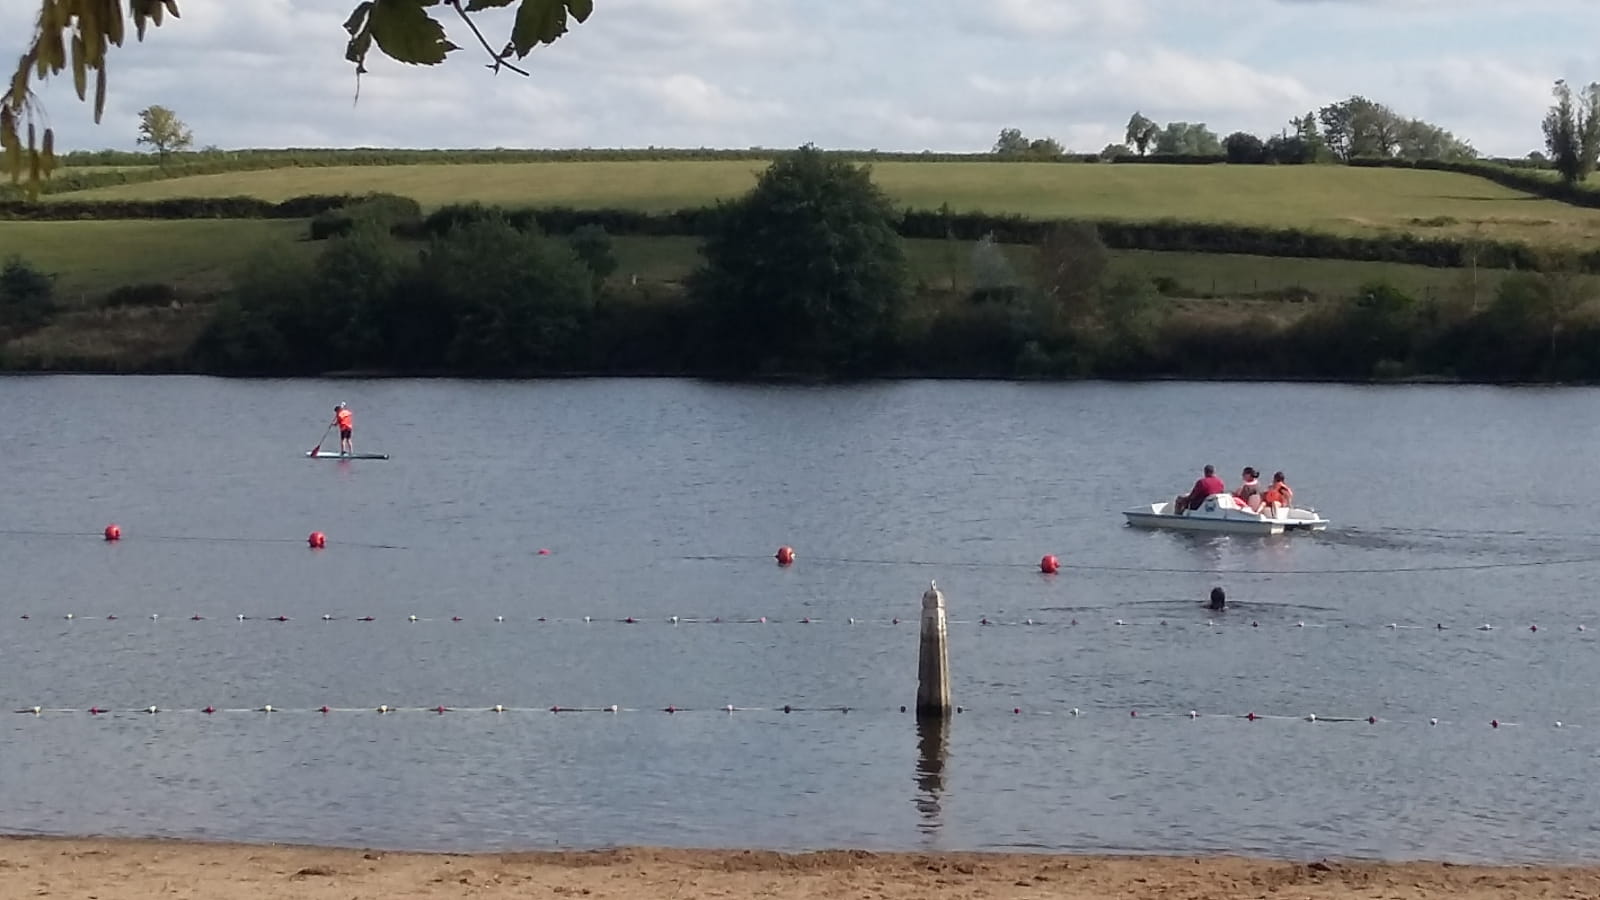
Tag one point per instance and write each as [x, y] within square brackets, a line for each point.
[805, 275]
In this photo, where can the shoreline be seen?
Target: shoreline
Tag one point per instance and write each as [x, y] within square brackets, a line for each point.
[805, 380]
[145, 868]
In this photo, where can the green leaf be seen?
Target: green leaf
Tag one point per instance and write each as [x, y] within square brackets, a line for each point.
[475, 5]
[580, 9]
[358, 18]
[538, 22]
[407, 34]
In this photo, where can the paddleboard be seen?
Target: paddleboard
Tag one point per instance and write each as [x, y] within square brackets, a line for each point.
[324, 454]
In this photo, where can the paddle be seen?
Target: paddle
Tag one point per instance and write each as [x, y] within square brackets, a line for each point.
[324, 437]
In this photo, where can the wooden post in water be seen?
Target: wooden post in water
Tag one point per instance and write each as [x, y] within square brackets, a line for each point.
[933, 658]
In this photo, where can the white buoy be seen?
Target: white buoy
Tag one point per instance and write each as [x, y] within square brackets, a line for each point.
[36, 710]
[586, 619]
[411, 618]
[154, 616]
[498, 708]
[151, 710]
[267, 708]
[852, 620]
[1300, 625]
[613, 708]
[729, 707]
[1558, 724]
[384, 708]
[1311, 718]
[241, 617]
[1074, 710]
[674, 620]
[1193, 714]
[69, 615]
[1433, 721]
[327, 618]
[499, 618]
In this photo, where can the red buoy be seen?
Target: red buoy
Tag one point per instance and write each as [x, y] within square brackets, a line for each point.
[1049, 565]
[209, 710]
[317, 540]
[785, 556]
[113, 532]
[324, 710]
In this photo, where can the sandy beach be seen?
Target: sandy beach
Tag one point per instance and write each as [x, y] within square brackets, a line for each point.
[99, 869]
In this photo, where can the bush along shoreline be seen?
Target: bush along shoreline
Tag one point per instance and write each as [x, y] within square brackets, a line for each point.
[805, 276]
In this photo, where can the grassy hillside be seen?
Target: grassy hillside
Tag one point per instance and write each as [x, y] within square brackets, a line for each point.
[90, 258]
[1329, 198]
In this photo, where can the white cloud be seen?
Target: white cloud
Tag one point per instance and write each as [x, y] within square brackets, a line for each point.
[938, 74]
[1053, 18]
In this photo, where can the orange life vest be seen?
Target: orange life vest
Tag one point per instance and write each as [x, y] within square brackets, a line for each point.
[343, 418]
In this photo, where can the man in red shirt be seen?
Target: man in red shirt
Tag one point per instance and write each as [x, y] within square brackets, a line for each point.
[1207, 485]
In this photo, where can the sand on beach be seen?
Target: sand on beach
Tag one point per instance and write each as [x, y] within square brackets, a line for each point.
[103, 869]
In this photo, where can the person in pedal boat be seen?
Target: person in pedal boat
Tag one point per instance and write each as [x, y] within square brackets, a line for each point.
[1276, 496]
[1208, 484]
[343, 419]
[1249, 492]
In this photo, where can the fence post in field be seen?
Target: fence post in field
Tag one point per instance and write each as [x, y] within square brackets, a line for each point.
[933, 658]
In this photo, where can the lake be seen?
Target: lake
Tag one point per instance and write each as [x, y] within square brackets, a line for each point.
[1451, 506]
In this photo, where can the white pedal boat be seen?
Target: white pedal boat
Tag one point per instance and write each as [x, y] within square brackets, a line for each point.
[1221, 512]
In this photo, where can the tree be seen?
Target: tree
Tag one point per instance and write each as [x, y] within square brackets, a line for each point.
[1072, 261]
[27, 297]
[76, 34]
[1416, 139]
[593, 246]
[1141, 132]
[1572, 131]
[1185, 139]
[1243, 147]
[1011, 143]
[1045, 148]
[805, 271]
[162, 129]
[993, 276]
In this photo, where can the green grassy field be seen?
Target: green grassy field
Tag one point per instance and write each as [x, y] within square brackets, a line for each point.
[90, 258]
[1328, 198]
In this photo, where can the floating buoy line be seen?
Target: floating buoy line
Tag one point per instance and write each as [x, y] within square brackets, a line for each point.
[1075, 713]
[1232, 618]
[787, 557]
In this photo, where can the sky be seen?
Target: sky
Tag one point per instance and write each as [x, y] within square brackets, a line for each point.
[942, 75]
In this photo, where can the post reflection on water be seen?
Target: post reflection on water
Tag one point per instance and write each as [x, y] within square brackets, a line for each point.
[933, 747]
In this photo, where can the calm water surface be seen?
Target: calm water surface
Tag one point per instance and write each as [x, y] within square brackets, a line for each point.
[668, 498]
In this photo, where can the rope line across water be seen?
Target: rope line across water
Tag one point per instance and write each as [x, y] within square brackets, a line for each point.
[730, 709]
[912, 620]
